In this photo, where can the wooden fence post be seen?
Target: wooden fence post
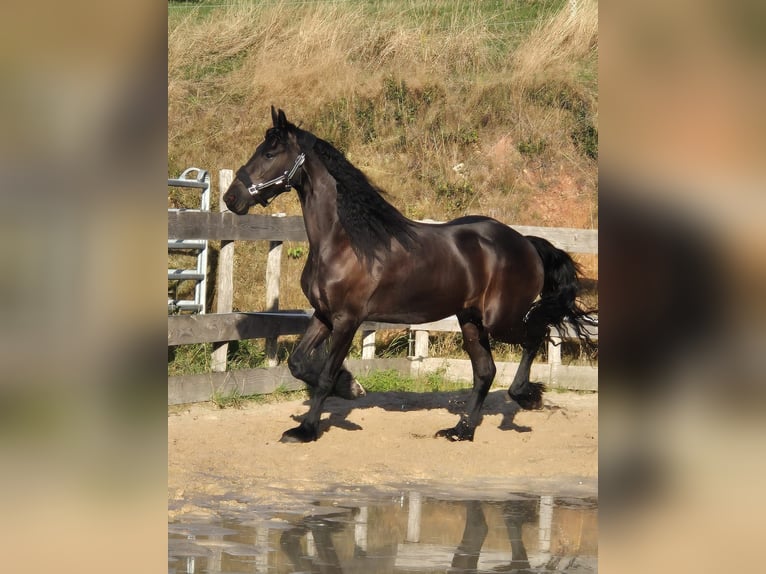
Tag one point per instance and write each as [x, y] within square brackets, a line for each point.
[273, 273]
[554, 355]
[421, 344]
[224, 276]
[368, 344]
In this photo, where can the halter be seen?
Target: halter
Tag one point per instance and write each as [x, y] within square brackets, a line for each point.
[284, 179]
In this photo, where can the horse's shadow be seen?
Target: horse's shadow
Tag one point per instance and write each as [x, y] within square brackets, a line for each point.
[496, 403]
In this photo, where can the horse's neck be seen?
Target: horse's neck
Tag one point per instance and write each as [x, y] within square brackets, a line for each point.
[319, 203]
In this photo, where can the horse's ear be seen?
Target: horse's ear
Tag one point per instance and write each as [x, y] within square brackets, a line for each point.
[281, 120]
[274, 116]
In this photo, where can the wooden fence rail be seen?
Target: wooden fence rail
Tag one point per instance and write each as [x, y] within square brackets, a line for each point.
[225, 326]
[205, 224]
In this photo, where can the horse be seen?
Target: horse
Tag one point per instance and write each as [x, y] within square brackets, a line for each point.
[367, 261]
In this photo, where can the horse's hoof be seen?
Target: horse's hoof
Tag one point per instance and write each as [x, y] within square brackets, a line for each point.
[461, 431]
[532, 400]
[298, 434]
[356, 390]
[529, 403]
[347, 387]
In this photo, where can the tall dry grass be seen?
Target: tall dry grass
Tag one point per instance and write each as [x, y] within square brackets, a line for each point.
[452, 107]
[557, 47]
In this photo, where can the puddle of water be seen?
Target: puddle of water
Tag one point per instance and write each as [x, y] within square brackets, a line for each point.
[406, 532]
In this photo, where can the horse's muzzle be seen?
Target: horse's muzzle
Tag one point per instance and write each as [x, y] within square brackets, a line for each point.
[236, 201]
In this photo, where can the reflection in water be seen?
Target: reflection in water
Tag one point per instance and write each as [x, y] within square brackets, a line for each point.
[407, 534]
[515, 513]
[322, 555]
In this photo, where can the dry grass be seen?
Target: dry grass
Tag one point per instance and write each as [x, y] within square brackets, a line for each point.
[557, 47]
[452, 107]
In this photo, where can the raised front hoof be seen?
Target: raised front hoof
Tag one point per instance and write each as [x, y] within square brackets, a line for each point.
[459, 432]
[347, 387]
[299, 434]
[532, 400]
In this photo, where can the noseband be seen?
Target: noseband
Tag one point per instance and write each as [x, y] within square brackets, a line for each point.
[255, 189]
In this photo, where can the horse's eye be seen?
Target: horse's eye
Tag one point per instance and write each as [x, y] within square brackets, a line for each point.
[269, 155]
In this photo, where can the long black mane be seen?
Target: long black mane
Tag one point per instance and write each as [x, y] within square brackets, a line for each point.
[370, 221]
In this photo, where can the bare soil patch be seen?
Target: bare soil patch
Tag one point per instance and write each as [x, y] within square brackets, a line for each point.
[378, 440]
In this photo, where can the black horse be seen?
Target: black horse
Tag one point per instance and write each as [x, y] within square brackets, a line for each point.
[367, 261]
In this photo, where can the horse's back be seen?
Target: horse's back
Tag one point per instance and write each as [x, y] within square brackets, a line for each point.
[503, 241]
[506, 262]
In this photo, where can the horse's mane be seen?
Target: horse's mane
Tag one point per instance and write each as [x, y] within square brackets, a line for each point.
[368, 219]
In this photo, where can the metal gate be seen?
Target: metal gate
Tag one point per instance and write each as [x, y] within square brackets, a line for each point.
[196, 248]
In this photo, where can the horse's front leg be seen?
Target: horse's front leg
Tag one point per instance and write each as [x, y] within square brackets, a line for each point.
[300, 362]
[342, 337]
[309, 358]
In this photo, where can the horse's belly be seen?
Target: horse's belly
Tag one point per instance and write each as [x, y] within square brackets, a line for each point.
[414, 307]
[409, 317]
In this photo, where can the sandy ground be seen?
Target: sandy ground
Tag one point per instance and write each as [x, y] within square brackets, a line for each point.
[378, 440]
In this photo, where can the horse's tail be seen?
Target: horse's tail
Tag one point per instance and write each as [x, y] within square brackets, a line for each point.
[558, 306]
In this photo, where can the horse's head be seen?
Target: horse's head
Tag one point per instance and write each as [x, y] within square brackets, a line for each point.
[274, 167]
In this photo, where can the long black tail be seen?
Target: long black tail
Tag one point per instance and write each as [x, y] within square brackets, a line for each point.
[558, 305]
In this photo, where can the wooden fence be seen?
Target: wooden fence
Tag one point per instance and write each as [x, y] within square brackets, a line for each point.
[224, 325]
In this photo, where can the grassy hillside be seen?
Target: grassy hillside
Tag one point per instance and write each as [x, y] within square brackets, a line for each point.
[453, 107]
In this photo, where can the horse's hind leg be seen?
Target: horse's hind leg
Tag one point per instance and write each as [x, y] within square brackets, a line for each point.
[529, 395]
[476, 344]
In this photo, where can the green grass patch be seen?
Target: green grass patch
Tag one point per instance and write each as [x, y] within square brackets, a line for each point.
[225, 64]
[189, 359]
[392, 381]
[196, 359]
[237, 400]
